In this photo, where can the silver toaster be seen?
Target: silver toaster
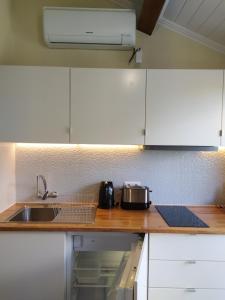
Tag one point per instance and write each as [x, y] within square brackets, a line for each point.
[135, 197]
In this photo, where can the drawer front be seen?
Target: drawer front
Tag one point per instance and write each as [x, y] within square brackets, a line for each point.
[187, 274]
[187, 246]
[185, 294]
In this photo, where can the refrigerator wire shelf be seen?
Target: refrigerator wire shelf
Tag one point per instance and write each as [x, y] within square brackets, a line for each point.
[102, 271]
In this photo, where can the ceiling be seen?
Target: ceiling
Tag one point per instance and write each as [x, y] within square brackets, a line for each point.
[200, 20]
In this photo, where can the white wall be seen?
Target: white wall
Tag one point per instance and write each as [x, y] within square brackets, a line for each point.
[175, 177]
[5, 31]
[7, 175]
[164, 49]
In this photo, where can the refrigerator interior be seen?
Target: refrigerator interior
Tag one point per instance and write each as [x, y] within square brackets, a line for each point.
[97, 265]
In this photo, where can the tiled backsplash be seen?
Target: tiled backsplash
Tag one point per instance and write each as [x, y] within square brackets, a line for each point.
[176, 177]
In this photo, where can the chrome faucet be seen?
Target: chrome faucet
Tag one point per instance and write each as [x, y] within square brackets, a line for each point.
[45, 194]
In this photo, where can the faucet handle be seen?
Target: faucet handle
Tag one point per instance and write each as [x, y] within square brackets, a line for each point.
[52, 195]
[45, 195]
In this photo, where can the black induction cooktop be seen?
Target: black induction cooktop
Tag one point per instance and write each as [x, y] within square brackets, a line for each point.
[179, 216]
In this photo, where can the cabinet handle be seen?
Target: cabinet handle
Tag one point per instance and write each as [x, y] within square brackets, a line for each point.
[190, 262]
[70, 131]
[190, 290]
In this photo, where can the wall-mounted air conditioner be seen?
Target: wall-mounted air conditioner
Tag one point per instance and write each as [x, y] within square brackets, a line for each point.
[89, 28]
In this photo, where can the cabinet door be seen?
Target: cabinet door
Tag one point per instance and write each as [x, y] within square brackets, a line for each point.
[107, 106]
[187, 274]
[184, 107]
[185, 294]
[32, 266]
[187, 247]
[34, 104]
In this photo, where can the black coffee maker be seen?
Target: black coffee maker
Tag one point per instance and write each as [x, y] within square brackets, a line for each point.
[106, 195]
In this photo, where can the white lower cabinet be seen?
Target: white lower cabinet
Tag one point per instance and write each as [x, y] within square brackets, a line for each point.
[73, 266]
[183, 266]
[32, 266]
[187, 274]
[187, 247]
[185, 294]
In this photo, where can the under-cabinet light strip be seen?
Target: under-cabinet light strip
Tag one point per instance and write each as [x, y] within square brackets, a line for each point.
[79, 146]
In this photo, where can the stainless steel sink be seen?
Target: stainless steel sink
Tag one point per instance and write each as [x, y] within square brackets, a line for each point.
[35, 214]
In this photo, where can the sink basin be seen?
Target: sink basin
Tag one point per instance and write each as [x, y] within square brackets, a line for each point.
[64, 214]
[35, 214]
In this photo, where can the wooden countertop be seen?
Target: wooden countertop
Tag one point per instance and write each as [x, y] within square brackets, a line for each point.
[119, 220]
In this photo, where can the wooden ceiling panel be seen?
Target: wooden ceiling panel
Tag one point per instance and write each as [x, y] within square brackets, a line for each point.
[219, 33]
[187, 11]
[202, 14]
[213, 20]
[173, 9]
[202, 20]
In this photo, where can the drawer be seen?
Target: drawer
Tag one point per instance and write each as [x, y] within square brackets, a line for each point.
[185, 294]
[187, 246]
[187, 274]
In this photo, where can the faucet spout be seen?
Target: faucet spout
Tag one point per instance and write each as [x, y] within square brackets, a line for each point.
[43, 195]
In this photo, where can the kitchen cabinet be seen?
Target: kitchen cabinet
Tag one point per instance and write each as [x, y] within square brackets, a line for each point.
[183, 266]
[32, 266]
[187, 274]
[187, 247]
[107, 106]
[186, 294]
[183, 107]
[111, 106]
[34, 104]
[73, 266]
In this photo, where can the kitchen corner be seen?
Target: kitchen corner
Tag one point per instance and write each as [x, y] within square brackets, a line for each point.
[112, 163]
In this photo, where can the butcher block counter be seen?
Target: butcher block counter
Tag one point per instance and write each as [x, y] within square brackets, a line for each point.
[118, 220]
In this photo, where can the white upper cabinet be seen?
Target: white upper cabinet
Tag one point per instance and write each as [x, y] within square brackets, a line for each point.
[183, 107]
[107, 106]
[34, 104]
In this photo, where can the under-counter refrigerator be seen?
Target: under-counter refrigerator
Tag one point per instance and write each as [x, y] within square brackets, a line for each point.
[107, 266]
